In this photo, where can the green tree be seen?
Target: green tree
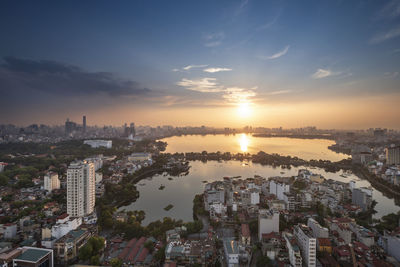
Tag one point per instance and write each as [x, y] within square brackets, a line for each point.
[116, 262]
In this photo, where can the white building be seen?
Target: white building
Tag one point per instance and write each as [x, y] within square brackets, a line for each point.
[98, 143]
[2, 166]
[254, 197]
[64, 225]
[231, 252]
[213, 196]
[51, 181]
[140, 156]
[307, 244]
[268, 221]
[317, 230]
[278, 189]
[293, 251]
[80, 189]
[97, 161]
[10, 230]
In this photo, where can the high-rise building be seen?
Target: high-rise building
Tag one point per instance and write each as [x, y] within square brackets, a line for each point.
[362, 197]
[80, 188]
[268, 221]
[84, 123]
[51, 181]
[307, 244]
[70, 126]
[393, 155]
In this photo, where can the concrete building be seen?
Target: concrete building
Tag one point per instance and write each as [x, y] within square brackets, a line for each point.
[307, 244]
[51, 181]
[34, 257]
[268, 221]
[362, 197]
[64, 226]
[391, 244]
[10, 230]
[2, 166]
[98, 143]
[213, 196]
[139, 156]
[293, 250]
[278, 189]
[80, 189]
[393, 155]
[97, 161]
[317, 230]
[231, 250]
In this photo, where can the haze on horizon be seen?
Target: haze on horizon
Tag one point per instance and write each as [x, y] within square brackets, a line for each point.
[332, 64]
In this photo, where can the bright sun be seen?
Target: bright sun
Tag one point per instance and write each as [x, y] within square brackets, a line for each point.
[244, 110]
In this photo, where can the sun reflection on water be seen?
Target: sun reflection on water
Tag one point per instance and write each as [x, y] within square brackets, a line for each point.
[243, 142]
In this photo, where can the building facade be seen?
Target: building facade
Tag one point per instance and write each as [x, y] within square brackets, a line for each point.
[51, 181]
[80, 189]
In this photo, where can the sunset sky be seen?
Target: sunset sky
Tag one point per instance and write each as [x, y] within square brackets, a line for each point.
[332, 64]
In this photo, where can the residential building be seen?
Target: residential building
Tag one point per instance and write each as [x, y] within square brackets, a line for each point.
[10, 230]
[34, 257]
[268, 221]
[393, 155]
[317, 230]
[51, 181]
[278, 188]
[67, 247]
[80, 189]
[293, 250]
[307, 244]
[231, 250]
[362, 197]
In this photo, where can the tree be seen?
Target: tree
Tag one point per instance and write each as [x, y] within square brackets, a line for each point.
[3, 180]
[149, 245]
[116, 262]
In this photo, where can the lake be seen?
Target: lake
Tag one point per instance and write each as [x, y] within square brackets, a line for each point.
[303, 148]
[181, 190]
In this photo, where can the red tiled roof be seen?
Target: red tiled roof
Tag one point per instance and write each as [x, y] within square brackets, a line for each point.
[142, 256]
[135, 250]
[125, 251]
[245, 230]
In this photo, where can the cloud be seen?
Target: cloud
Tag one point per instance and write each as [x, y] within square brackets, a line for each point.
[58, 78]
[280, 92]
[238, 95]
[324, 73]
[212, 70]
[382, 37]
[390, 11]
[394, 74]
[210, 85]
[189, 67]
[214, 39]
[276, 55]
[194, 66]
[204, 85]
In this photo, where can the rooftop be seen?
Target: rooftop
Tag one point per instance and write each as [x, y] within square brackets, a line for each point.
[33, 254]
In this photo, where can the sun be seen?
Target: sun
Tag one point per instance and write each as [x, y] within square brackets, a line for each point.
[244, 110]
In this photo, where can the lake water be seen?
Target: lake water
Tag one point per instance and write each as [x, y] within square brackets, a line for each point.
[181, 190]
[303, 148]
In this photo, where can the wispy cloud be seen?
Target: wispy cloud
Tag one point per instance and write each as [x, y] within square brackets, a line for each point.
[382, 37]
[214, 39]
[276, 55]
[394, 74]
[324, 73]
[189, 67]
[212, 70]
[280, 92]
[390, 10]
[268, 24]
[210, 85]
[204, 85]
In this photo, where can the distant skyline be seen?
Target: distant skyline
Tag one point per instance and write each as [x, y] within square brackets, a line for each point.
[332, 64]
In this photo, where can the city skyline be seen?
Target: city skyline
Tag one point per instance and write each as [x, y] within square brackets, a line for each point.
[222, 64]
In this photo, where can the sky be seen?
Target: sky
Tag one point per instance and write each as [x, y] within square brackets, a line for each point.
[330, 64]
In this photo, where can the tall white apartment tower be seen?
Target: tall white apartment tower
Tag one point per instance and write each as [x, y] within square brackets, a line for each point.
[51, 181]
[80, 188]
